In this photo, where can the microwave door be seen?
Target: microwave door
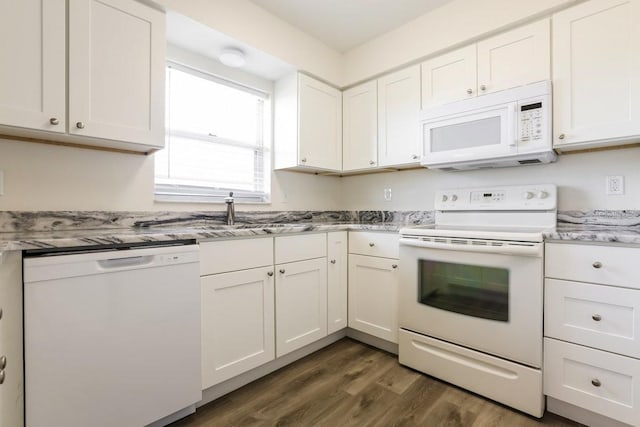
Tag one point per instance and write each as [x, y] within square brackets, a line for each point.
[476, 135]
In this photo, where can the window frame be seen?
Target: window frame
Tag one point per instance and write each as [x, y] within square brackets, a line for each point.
[165, 192]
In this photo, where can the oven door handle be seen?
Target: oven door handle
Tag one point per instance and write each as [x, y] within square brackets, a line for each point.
[535, 249]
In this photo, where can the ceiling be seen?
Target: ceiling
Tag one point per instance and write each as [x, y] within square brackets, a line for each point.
[345, 24]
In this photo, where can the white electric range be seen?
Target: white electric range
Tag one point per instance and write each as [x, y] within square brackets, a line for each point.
[471, 292]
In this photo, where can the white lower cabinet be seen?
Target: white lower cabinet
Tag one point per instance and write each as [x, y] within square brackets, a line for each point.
[11, 355]
[301, 304]
[591, 329]
[373, 296]
[337, 289]
[237, 323]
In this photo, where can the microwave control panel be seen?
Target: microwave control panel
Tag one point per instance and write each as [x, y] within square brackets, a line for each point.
[531, 122]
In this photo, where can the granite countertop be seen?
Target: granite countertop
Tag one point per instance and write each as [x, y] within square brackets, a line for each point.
[114, 236]
[54, 230]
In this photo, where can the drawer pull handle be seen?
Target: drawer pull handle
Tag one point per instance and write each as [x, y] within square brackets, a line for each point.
[596, 317]
[333, 261]
[282, 271]
[270, 273]
[372, 244]
[597, 264]
[394, 266]
[596, 382]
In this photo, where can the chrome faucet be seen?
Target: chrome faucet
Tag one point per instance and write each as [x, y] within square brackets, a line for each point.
[231, 210]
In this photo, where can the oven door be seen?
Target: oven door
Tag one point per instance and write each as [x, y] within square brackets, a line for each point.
[487, 297]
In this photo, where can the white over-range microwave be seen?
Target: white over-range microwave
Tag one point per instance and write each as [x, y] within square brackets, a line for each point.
[507, 128]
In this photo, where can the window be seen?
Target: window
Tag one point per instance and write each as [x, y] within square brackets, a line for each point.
[215, 140]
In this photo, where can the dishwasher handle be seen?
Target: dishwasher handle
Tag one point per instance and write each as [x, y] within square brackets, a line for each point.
[119, 263]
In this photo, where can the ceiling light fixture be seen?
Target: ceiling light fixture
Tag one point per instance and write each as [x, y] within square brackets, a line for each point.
[232, 57]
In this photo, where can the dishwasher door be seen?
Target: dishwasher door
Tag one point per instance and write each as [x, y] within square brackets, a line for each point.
[111, 338]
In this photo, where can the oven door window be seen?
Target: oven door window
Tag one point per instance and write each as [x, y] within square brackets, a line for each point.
[471, 290]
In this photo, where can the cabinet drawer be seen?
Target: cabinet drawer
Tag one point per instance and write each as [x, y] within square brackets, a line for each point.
[301, 247]
[598, 316]
[601, 382]
[233, 255]
[612, 265]
[374, 244]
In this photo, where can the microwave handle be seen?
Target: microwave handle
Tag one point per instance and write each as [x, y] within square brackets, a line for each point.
[513, 119]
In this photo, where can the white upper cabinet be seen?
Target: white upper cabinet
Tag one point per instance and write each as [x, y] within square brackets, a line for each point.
[449, 77]
[360, 127]
[32, 78]
[308, 124]
[399, 117]
[116, 71]
[596, 74]
[514, 58]
[114, 54]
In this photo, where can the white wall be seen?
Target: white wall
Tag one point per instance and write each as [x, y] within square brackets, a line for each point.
[248, 23]
[48, 177]
[579, 177]
[454, 24]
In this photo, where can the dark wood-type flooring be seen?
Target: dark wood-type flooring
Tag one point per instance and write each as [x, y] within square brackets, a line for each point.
[351, 384]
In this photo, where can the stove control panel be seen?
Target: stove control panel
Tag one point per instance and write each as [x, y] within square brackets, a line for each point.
[516, 197]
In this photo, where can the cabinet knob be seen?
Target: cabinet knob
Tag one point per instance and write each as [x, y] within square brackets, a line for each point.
[3, 362]
[483, 88]
[415, 157]
[372, 244]
[282, 271]
[333, 261]
[303, 160]
[469, 91]
[394, 266]
[561, 136]
[270, 273]
[1, 376]
[0, 313]
[597, 264]
[54, 121]
[371, 162]
[80, 125]
[596, 382]
[596, 317]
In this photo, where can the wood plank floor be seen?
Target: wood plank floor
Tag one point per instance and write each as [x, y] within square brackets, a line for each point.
[351, 384]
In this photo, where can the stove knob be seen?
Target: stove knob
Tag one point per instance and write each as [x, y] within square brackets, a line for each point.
[542, 195]
[444, 198]
[527, 195]
[454, 198]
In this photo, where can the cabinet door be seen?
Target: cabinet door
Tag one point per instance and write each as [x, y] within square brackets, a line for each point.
[515, 58]
[301, 304]
[116, 71]
[373, 296]
[12, 386]
[336, 281]
[449, 77]
[399, 117]
[360, 127]
[320, 124]
[596, 72]
[237, 323]
[33, 51]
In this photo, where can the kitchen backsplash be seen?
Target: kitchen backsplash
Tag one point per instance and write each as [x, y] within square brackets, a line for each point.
[13, 221]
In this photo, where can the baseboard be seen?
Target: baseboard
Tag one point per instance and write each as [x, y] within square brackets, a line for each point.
[387, 346]
[581, 415]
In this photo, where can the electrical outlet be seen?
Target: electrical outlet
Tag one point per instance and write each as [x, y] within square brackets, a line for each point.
[387, 194]
[615, 184]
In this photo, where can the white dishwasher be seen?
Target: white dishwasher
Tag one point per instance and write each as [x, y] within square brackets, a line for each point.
[112, 338]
